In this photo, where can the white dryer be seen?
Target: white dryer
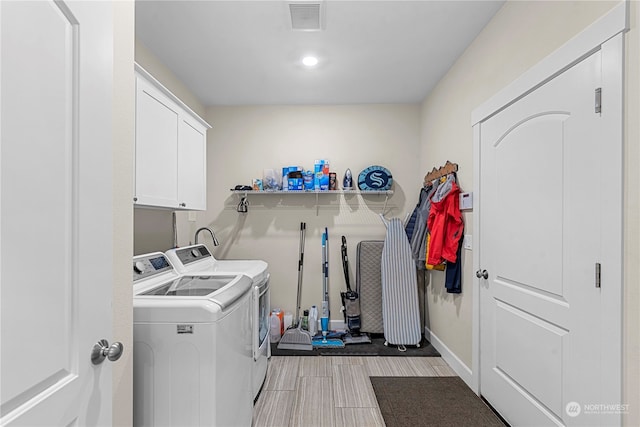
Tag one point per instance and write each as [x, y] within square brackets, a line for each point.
[197, 259]
[192, 346]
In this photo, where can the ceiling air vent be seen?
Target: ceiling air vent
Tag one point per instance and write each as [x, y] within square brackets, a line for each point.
[306, 15]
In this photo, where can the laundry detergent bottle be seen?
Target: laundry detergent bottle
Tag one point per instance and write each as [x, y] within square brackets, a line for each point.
[275, 327]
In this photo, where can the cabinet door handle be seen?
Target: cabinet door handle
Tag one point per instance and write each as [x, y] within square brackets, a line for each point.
[135, 199]
[183, 204]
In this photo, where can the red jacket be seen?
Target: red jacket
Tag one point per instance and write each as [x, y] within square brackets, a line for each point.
[445, 227]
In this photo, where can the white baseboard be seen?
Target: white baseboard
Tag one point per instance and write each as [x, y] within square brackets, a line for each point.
[334, 325]
[452, 360]
[337, 325]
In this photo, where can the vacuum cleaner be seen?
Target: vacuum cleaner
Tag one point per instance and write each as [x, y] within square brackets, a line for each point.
[351, 305]
[350, 300]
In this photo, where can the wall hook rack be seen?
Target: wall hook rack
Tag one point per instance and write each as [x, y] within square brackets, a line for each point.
[440, 172]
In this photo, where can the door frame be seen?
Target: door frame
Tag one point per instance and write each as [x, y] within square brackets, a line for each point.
[607, 35]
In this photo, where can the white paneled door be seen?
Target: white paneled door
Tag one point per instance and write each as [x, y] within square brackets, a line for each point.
[548, 251]
[56, 211]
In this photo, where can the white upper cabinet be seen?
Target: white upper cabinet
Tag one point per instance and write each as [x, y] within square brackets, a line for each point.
[171, 149]
[192, 165]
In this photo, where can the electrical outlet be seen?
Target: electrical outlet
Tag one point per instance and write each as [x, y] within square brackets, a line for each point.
[192, 216]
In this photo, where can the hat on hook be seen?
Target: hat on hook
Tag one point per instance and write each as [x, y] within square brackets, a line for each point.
[375, 178]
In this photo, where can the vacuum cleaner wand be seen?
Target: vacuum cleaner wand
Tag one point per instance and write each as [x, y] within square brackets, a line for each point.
[345, 262]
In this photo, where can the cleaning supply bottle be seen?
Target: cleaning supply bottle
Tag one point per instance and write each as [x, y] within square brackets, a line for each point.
[305, 320]
[280, 315]
[313, 320]
[274, 331]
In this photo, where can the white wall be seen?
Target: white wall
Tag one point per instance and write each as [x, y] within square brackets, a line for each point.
[153, 230]
[521, 34]
[150, 62]
[246, 140]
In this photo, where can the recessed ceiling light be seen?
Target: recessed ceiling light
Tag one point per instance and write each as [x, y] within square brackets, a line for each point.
[310, 61]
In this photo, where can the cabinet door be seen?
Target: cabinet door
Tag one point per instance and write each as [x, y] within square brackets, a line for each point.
[192, 166]
[156, 181]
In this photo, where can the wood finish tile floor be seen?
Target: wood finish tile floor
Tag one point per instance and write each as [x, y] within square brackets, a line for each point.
[332, 391]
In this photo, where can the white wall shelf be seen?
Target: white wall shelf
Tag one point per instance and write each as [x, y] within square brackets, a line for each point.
[317, 193]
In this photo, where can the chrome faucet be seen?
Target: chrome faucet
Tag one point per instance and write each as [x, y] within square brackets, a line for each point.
[213, 236]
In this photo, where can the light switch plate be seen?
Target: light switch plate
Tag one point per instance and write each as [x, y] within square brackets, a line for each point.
[467, 243]
[466, 201]
[192, 216]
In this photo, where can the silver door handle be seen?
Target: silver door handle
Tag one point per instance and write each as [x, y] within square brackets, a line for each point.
[102, 350]
[484, 274]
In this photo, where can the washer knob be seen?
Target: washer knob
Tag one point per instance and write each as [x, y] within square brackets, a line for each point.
[138, 267]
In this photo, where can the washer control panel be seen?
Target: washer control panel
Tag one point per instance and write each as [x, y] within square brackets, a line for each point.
[189, 255]
[149, 265]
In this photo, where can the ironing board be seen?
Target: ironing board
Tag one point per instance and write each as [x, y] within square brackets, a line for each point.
[400, 310]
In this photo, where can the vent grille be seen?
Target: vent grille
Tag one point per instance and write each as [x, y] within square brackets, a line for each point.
[306, 16]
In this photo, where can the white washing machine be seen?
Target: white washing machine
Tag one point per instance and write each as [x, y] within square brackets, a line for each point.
[192, 346]
[197, 259]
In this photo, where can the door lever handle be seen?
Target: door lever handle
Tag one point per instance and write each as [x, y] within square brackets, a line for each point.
[484, 274]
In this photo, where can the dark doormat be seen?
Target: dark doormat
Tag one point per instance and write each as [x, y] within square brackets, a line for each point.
[376, 348]
[431, 401]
